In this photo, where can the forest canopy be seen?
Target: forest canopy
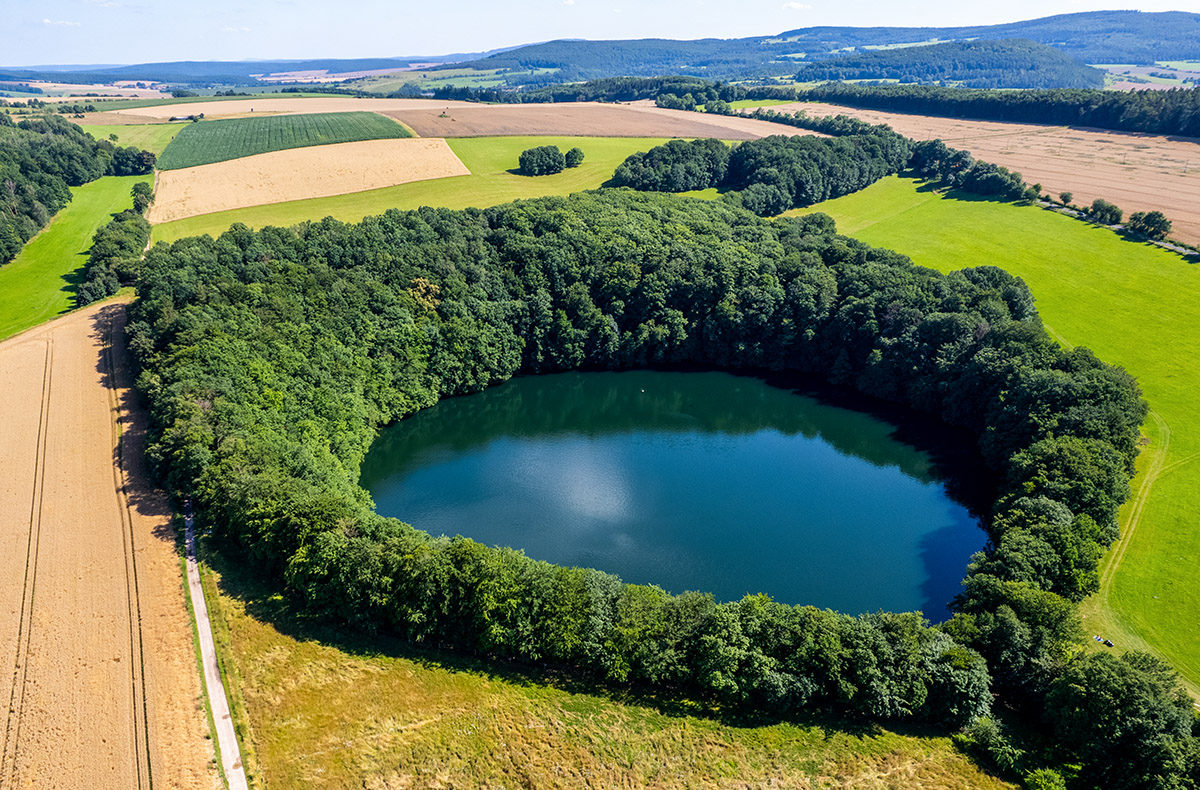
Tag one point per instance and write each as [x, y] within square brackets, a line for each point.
[270, 360]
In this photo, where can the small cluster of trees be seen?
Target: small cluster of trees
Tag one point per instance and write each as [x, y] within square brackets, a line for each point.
[1104, 212]
[116, 253]
[546, 160]
[40, 159]
[769, 175]
[951, 167]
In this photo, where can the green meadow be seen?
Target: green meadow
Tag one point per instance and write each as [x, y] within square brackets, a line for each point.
[40, 282]
[1134, 305]
[153, 137]
[490, 160]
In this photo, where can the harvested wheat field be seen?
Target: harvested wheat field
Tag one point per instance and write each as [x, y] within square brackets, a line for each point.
[301, 173]
[1138, 172]
[580, 120]
[288, 106]
[99, 679]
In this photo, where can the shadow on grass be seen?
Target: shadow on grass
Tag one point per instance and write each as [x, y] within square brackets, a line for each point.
[277, 611]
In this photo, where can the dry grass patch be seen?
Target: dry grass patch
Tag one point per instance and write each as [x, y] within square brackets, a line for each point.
[291, 106]
[301, 173]
[330, 710]
[1138, 172]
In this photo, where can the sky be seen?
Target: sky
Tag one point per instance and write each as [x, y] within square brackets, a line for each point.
[142, 31]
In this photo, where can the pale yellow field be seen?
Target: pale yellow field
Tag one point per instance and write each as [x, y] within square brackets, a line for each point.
[301, 173]
[287, 106]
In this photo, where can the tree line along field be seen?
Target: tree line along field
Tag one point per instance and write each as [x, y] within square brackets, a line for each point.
[206, 142]
[493, 180]
[40, 282]
[1136, 306]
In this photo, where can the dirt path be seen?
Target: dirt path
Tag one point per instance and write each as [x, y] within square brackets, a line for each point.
[98, 678]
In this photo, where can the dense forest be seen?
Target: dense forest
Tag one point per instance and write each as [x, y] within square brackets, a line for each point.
[1174, 111]
[270, 359]
[40, 158]
[1008, 63]
[769, 175]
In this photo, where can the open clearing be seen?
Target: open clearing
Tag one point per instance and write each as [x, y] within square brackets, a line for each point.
[299, 174]
[219, 141]
[490, 160]
[40, 282]
[1138, 172]
[582, 119]
[151, 137]
[324, 711]
[99, 682]
[1135, 305]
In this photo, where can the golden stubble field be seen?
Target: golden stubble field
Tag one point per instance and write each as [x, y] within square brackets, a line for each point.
[1138, 172]
[582, 119]
[301, 173]
[99, 682]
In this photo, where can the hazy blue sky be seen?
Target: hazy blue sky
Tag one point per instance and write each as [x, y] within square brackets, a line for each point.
[139, 31]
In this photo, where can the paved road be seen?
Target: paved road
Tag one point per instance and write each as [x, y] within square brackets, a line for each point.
[231, 757]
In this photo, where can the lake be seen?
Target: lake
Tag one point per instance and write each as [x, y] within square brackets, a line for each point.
[691, 481]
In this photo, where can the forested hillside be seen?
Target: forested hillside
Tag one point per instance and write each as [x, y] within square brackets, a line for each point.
[1008, 63]
[1159, 112]
[40, 158]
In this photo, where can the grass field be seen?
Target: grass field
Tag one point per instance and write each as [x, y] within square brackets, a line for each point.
[1136, 306]
[40, 282]
[219, 141]
[488, 158]
[153, 137]
[318, 709]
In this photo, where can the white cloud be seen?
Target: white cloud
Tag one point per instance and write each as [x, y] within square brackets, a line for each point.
[59, 23]
[798, 6]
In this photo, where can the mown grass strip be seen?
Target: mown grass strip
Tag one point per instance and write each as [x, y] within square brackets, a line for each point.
[1134, 305]
[153, 137]
[232, 138]
[40, 282]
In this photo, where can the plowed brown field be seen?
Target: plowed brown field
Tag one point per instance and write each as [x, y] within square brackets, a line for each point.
[99, 679]
[1138, 172]
[581, 120]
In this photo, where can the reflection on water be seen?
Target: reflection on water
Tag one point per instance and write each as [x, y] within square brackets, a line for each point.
[692, 481]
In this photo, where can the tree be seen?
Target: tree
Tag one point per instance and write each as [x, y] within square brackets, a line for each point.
[542, 161]
[1127, 718]
[1152, 224]
[1066, 197]
[143, 196]
[1105, 213]
[574, 157]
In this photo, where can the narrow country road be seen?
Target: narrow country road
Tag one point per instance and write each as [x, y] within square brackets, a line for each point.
[231, 757]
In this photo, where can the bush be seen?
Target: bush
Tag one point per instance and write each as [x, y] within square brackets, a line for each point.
[574, 157]
[1152, 224]
[542, 161]
[1104, 212]
[1044, 779]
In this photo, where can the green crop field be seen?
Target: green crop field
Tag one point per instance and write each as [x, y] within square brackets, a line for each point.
[40, 282]
[217, 141]
[152, 137]
[317, 709]
[1135, 305]
[488, 158]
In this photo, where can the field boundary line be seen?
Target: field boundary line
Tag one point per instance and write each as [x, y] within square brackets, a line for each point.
[137, 665]
[12, 729]
[226, 735]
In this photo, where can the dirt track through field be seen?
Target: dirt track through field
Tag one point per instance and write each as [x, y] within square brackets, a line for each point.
[581, 120]
[1138, 172]
[300, 173]
[98, 678]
